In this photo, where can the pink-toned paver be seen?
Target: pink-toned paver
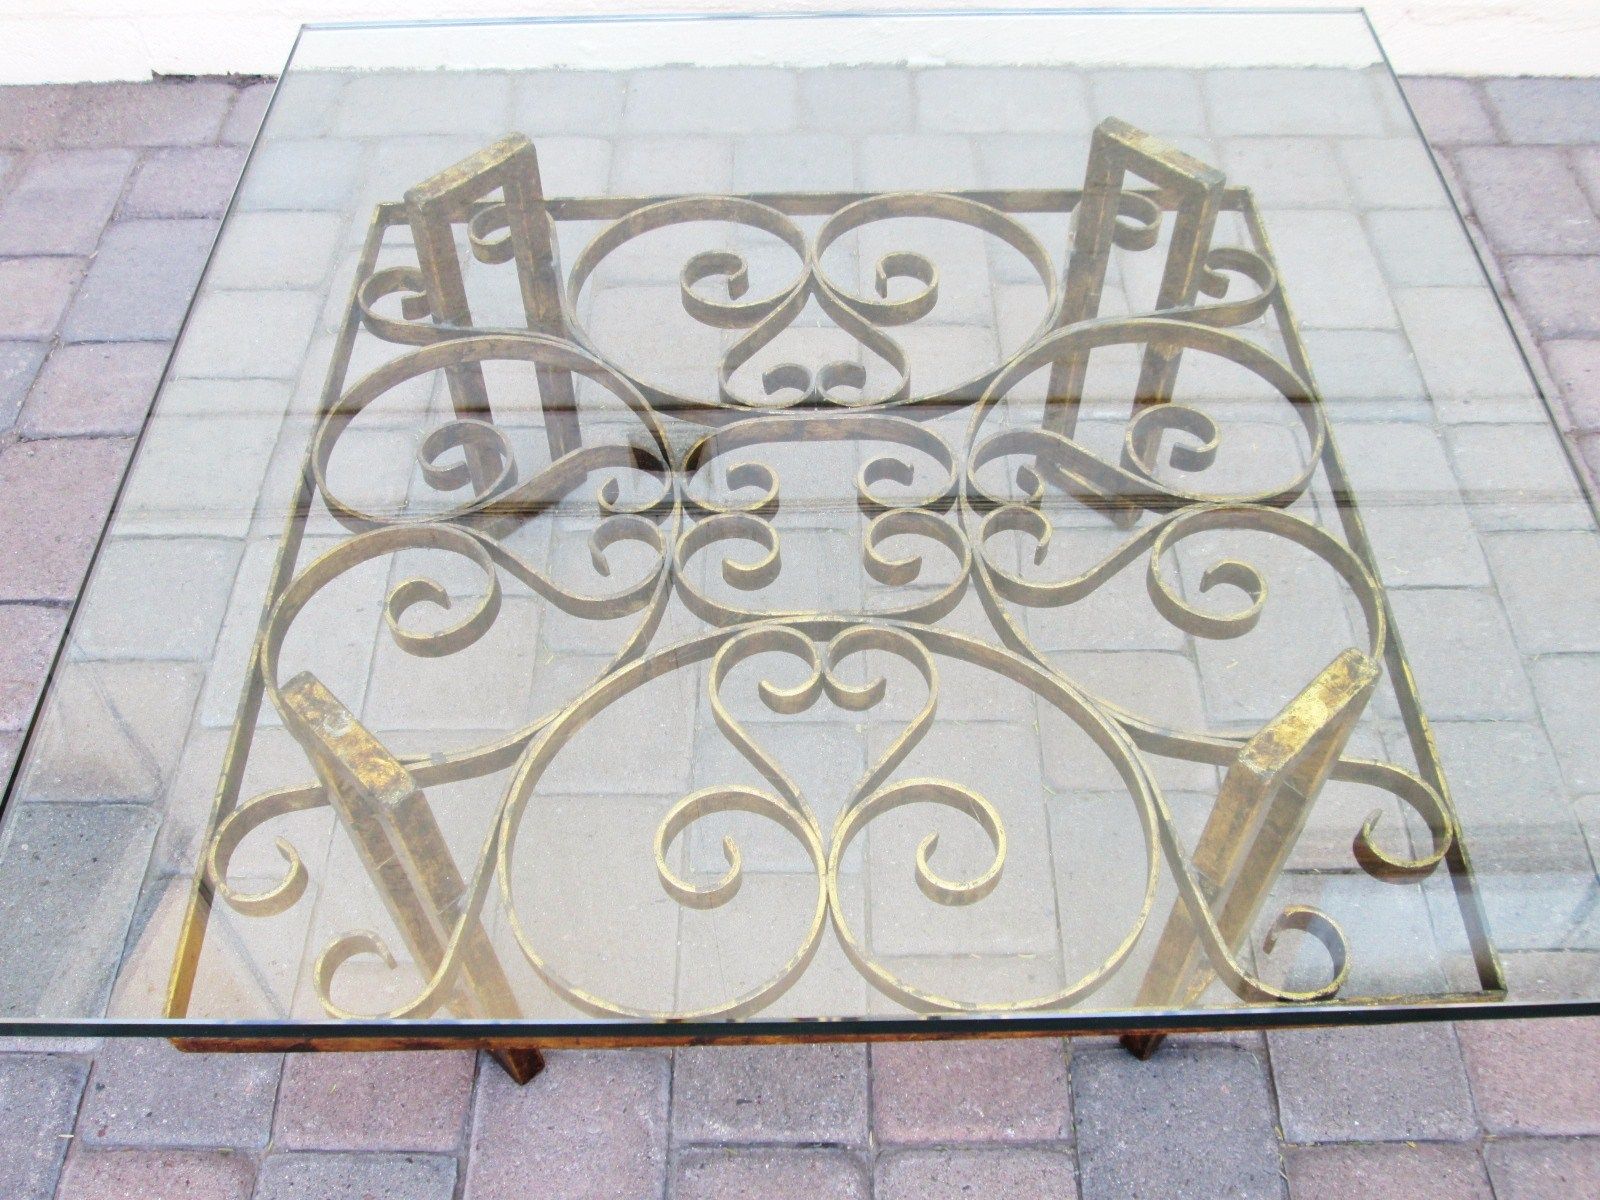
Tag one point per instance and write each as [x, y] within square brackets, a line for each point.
[157, 1175]
[1535, 1076]
[1395, 1171]
[593, 1124]
[54, 499]
[411, 1100]
[985, 1091]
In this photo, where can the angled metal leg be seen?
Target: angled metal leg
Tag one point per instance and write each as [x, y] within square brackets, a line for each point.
[1142, 1045]
[522, 1063]
[1262, 808]
[393, 828]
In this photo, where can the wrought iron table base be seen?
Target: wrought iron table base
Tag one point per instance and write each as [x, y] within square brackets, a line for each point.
[1271, 778]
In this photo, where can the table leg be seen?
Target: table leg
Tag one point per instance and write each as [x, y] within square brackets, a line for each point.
[522, 1063]
[1262, 808]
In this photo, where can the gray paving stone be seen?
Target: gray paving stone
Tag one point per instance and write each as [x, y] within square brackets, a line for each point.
[1434, 624]
[54, 496]
[1000, 761]
[356, 1177]
[19, 367]
[1565, 686]
[141, 282]
[728, 1174]
[62, 201]
[1189, 1124]
[265, 250]
[770, 1094]
[390, 103]
[34, 293]
[1546, 110]
[112, 731]
[168, 1174]
[1294, 103]
[1165, 103]
[1467, 355]
[1423, 247]
[146, 1093]
[1518, 477]
[595, 1125]
[1391, 173]
[567, 101]
[1450, 111]
[1286, 172]
[1535, 874]
[1556, 294]
[1379, 1084]
[158, 598]
[1165, 688]
[94, 388]
[1576, 368]
[221, 459]
[1414, 1172]
[74, 873]
[715, 100]
[1544, 1168]
[1328, 268]
[248, 335]
[574, 166]
[856, 100]
[303, 174]
[949, 1174]
[1527, 200]
[912, 161]
[191, 182]
[1423, 534]
[38, 1100]
[1001, 100]
[183, 113]
[793, 162]
[1551, 586]
[652, 166]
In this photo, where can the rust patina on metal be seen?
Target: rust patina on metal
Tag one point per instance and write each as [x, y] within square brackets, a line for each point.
[1271, 778]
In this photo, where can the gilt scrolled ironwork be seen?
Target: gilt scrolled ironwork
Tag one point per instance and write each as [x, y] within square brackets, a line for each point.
[956, 499]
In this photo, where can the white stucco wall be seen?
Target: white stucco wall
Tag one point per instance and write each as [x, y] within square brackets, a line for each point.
[67, 40]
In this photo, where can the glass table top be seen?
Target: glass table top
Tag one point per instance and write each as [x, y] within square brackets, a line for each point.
[998, 519]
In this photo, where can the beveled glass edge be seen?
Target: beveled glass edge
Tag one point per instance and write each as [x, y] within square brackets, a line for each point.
[623, 1031]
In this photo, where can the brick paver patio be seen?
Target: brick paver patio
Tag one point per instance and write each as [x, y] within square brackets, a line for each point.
[109, 196]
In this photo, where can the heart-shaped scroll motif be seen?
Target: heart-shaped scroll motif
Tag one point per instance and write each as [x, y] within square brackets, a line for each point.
[714, 289]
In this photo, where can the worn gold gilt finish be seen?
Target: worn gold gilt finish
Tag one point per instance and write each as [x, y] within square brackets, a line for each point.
[996, 481]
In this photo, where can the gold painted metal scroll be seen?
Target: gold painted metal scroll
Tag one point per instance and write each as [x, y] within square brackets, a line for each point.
[683, 476]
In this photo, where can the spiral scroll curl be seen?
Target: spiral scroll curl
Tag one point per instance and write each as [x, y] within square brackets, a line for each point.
[472, 529]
